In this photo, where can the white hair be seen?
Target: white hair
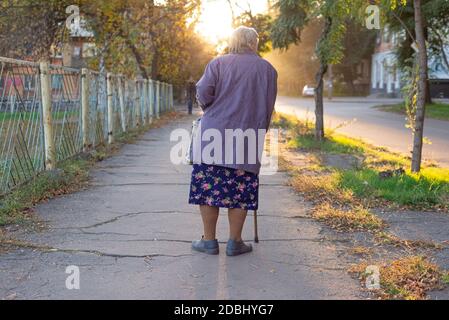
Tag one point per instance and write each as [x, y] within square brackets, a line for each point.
[242, 39]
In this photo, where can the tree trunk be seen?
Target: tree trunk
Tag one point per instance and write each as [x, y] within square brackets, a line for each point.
[422, 84]
[319, 113]
[319, 110]
[138, 57]
[330, 82]
[155, 65]
[428, 97]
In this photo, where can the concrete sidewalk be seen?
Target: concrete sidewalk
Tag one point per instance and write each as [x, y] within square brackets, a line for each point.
[130, 233]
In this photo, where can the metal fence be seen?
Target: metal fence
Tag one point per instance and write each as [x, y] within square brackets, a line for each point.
[50, 113]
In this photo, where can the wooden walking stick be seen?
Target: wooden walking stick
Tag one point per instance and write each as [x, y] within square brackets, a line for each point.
[256, 235]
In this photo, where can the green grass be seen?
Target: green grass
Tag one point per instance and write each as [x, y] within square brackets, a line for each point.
[435, 110]
[45, 185]
[33, 116]
[408, 189]
[333, 144]
[445, 278]
[428, 189]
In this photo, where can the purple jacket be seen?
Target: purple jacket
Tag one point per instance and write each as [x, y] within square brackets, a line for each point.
[237, 91]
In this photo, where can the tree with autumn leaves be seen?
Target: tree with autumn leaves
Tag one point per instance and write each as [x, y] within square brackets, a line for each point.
[295, 15]
[140, 37]
[132, 37]
[30, 28]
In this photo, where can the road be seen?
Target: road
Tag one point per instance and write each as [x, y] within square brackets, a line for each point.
[130, 232]
[357, 117]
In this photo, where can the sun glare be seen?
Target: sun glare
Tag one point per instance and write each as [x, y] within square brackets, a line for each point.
[215, 23]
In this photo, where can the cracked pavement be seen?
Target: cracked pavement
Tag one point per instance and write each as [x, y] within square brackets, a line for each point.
[129, 233]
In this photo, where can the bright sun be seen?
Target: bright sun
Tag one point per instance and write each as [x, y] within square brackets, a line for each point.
[215, 23]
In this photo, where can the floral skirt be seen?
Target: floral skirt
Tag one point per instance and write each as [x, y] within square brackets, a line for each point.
[218, 186]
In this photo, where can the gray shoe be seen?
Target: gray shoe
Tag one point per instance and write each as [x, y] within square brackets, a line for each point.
[205, 246]
[235, 248]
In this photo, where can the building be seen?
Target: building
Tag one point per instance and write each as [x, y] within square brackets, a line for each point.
[79, 47]
[18, 83]
[386, 76]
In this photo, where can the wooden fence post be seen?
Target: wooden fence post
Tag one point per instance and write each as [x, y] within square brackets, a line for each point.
[158, 99]
[137, 106]
[145, 102]
[50, 152]
[167, 97]
[85, 108]
[121, 98]
[164, 93]
[170, 96]
[161, 92]
[164, 96]
[110, 109]
[151, 97]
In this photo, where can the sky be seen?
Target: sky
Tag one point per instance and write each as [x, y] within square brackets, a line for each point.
[216, 17]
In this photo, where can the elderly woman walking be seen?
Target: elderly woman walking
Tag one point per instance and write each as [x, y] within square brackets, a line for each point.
[237, 92]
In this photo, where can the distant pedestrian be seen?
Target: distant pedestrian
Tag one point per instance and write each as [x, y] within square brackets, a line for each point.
[191, 95]
[237, 92]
